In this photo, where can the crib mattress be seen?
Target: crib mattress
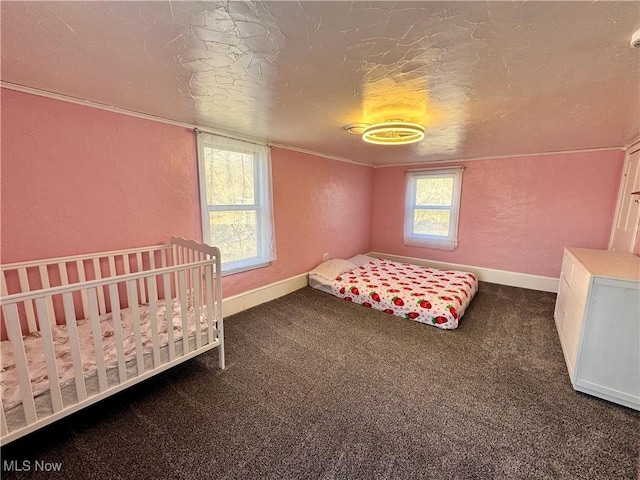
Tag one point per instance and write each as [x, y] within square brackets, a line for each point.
[15, 415]
[36, 360]
[423, 294]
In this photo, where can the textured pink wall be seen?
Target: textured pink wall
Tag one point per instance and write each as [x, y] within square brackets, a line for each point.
[517, 214]
[320, 205]
[78, 179]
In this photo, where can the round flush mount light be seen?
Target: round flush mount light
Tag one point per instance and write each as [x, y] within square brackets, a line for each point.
[393, 133]
[635, 39]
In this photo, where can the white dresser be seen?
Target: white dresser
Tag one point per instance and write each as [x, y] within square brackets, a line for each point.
[598, 320]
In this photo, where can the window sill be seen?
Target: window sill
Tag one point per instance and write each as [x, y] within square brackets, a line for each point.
[437, 245]
[245, 268]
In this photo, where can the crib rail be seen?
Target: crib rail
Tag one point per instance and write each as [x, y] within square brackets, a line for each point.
[119, 328]
[37, 275]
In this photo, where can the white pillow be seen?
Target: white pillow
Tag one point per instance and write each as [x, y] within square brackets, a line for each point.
[332, 268]
[359, 260]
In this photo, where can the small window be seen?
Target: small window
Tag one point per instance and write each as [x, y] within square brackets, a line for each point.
[432, 205]
[235, 193]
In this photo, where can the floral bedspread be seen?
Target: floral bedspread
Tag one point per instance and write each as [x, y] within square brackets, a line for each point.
[423, 294]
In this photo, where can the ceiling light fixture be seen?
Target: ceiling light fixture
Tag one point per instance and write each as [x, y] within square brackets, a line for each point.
[356, 128]
[393, 133]
[635, 39]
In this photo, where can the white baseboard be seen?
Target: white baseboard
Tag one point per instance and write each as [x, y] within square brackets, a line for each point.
[501, 277]
[257, 296]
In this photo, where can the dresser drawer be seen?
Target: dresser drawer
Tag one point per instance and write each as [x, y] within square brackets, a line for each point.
[567, 267]
[579, 284]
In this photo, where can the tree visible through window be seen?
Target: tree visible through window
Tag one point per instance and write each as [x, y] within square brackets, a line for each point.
[235, 187]
[431, 208]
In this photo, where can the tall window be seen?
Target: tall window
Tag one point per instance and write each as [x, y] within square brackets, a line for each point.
[235, 192]
[432, 205]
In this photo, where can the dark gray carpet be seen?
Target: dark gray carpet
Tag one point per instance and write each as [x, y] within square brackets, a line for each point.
[317, 388]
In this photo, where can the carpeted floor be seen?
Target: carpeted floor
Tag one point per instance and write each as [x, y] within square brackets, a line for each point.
[317, 388]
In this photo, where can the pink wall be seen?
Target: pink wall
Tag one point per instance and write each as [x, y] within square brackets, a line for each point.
[76, 179]
[517, 214]
[320, 206]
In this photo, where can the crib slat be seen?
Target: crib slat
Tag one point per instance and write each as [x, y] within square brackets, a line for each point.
[97, 339]
[3, 424]
[44, 276]
[72, 329]
[19, 356]
[64, 277]
[102, 309]
[168, 303]
[3, 285]
[48, 347]
[219, 320]
[195, 275]
[177, 257]
[117, 331]
[208, 286]
[82, 277]
[152, 260]
[206, 309]
[112, 266]
[183, 312]
[126, 262]
[153, 319]
[174, 279]
[189, 259]
[143, 294]
[24, 287]
[132, 294]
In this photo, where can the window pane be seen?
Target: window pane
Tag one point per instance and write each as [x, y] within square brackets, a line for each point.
[431, 222]
[434, 191]
[229, 177]
[234, 233]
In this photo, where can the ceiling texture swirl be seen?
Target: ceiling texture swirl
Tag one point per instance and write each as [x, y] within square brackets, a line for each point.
[482, 78]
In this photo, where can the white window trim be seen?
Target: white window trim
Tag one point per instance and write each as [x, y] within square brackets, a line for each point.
[264, 222]
[450, 242]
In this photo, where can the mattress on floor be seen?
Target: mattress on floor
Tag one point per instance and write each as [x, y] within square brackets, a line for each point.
[320, 283]
[35, 354]
[423, 294]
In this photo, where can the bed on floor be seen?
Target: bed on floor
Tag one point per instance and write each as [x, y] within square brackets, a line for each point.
[423, 294]
[78, 329]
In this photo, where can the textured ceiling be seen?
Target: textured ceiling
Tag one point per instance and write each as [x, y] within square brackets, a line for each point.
[485, 79]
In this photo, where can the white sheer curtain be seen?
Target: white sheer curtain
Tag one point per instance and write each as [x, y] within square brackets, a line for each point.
[237, 208]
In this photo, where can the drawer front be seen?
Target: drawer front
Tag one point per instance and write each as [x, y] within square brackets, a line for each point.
[571, 332]
[558, 314]
[574, 317]
[561, 302]
[563, 292]
[579, 284]
[567, 268]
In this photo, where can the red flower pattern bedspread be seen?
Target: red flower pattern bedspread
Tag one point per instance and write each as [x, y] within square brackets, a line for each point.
[426, 295]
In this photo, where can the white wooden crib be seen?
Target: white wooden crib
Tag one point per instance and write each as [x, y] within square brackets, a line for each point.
[143, 310]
